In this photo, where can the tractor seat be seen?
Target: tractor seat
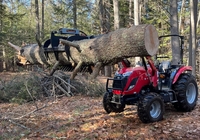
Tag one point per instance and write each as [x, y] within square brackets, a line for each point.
[164, 66]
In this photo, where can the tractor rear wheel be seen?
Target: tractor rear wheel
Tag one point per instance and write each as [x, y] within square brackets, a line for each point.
[111, 107]
[187, 92]
[151, 108]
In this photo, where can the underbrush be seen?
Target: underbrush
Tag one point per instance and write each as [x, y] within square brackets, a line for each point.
[33, 86]
[89, 87]
[21, 88]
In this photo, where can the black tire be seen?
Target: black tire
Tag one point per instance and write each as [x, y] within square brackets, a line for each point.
[151, 108]
[187, 92]
[111, 107]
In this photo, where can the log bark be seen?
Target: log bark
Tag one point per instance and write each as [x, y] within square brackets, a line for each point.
[140, 40]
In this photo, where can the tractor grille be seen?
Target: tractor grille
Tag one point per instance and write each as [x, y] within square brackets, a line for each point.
[119, 82]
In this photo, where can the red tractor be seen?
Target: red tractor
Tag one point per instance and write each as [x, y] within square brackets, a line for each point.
[150, 88]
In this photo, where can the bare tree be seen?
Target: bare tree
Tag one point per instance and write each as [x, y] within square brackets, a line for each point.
[37, 18]
[181, 21]
[74, 14]
[107, 68]
[136, 22]
[1, 28]
[174, 30]
[198, 19]
[116, 14]
[193, 44]
[130, 12]
[106, 7]
[103, 17]
[136, 12]
[42, 30]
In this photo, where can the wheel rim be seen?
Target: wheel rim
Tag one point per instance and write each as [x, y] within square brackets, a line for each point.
[191, 93]
[155, 109]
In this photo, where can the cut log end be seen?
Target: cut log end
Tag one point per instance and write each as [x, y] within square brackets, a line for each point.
[151, 40]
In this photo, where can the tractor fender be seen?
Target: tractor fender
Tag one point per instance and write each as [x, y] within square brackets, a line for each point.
[180, 71]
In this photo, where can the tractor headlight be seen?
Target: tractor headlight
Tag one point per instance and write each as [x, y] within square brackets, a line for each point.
[127, 73]
[130, 87]
[132, 84]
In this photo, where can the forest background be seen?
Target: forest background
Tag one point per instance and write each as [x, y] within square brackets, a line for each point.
[20, 20]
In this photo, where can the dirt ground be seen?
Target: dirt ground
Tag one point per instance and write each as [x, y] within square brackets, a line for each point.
[83, 118]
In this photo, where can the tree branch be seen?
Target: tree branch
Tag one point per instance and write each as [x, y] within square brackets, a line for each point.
[71, 44]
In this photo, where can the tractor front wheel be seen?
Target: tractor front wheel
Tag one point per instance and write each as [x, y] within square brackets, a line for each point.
[187, 92]
[150, 108]
[111, 107]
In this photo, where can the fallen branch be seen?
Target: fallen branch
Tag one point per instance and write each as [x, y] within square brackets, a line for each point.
[13, 122]
[30, 94]
[32, 111]
[54, 68]
[64, 82]
[62, 89]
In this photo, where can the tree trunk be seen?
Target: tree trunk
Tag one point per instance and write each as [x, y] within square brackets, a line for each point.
[4, 58]
[107, 68]
[136, 22]
[193, 21]
[74, 14]
[130, 13]
[198, 19]
[116, 21]
[176, 53]
[116, 14]
[42, 32]
[37, 18]
[181, 21]
[104, 19]
[1, 38]
[136, 12]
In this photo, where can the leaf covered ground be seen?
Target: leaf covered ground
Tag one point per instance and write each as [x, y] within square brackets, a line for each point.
[83, 118]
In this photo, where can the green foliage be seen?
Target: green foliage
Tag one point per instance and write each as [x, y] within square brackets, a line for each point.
[94, 15]
[95, 88]
[63, 14]
[18, 24]
[89, 87]
[157, 13]
[19, 17]
[22, 88]
[2, 10]
[124, 10]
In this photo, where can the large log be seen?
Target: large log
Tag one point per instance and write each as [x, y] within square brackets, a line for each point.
[141, 40]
